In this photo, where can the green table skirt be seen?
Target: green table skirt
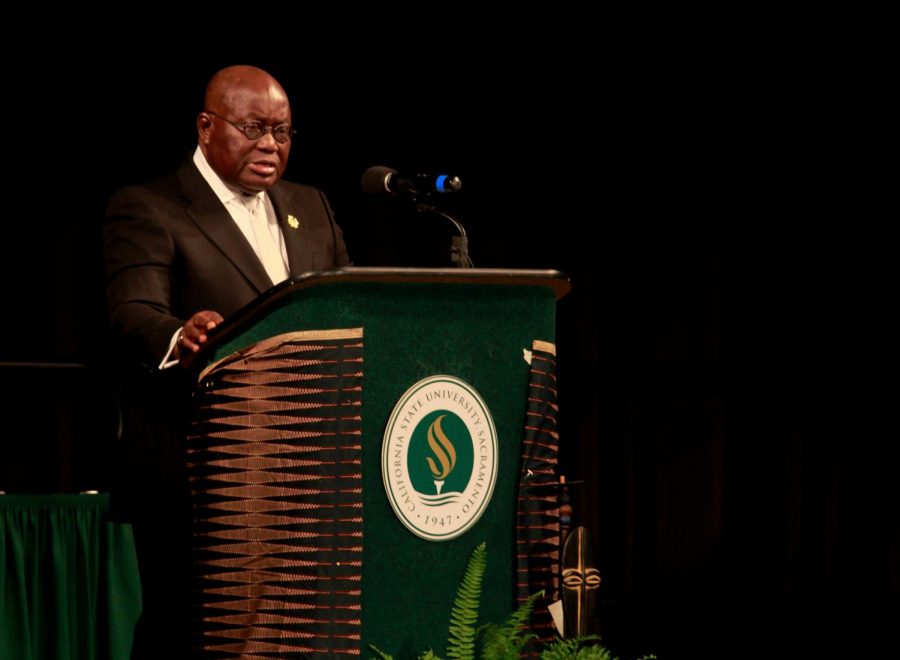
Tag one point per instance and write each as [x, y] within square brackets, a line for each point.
[70, 586]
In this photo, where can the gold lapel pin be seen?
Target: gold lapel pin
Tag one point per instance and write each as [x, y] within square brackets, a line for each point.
[293, 222]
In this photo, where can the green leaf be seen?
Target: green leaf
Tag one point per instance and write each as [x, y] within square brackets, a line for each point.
[509, 640]
[461, 642]
[381, 654]
[567, 649]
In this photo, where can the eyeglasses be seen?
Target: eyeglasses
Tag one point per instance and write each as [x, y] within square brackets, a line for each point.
[253, 130]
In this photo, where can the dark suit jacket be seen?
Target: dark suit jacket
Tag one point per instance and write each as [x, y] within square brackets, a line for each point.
[171, 249]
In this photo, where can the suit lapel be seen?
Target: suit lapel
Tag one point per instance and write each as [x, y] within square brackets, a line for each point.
[290, 218]
[216, 223]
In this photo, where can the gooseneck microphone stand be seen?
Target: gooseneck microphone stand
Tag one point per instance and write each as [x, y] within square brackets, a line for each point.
[459, 248]
[378, 180]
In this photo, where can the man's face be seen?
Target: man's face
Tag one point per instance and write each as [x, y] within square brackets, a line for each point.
[251, 165]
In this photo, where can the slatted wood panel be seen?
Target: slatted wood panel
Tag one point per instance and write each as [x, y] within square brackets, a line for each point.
[275, 466]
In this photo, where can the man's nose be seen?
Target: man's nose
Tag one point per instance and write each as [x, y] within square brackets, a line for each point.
[267, 141]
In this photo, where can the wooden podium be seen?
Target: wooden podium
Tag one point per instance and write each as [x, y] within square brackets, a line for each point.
[356, 434]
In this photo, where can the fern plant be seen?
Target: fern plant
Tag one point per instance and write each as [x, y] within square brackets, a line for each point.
[509, 640]
[567, 649]
[505, 641]
[464, 615]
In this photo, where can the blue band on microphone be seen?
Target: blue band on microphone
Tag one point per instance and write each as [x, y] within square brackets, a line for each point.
[439, 183]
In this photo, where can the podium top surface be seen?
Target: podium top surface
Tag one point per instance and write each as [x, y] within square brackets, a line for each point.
[554, 280]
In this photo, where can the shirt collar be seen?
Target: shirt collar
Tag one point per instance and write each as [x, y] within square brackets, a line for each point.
[223, 191]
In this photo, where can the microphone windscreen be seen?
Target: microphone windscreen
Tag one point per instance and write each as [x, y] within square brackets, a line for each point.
[374, 180]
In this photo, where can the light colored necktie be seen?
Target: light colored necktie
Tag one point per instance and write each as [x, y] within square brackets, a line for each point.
[269, 250]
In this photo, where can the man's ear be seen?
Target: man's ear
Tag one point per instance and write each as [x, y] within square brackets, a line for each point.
[204, 127]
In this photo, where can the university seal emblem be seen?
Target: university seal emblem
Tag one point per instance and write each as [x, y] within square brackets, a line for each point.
[439, 458]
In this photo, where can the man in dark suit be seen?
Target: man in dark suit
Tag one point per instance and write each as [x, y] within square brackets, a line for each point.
[181, 254]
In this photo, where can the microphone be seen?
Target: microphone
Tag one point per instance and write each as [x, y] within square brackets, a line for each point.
[381, 180]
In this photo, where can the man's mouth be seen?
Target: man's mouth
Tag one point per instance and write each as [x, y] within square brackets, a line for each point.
[263, 168]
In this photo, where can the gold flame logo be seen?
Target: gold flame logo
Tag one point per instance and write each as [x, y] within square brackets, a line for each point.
[443, 450]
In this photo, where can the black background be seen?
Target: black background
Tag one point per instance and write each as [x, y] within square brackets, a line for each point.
[734, 509]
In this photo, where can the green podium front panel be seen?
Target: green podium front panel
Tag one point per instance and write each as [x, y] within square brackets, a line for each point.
[474, 332]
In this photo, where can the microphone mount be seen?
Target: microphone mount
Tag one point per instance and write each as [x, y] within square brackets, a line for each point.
[459, 247]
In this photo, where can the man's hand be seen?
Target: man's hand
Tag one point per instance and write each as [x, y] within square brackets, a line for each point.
[193, 334]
